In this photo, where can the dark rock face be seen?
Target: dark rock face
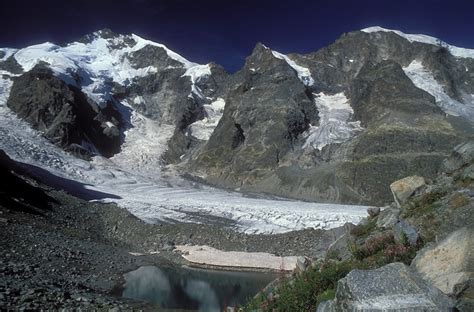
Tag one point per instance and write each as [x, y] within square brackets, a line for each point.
[383, 92]
[266, 111]
[11, 65]
[258, 144]
[64, 114]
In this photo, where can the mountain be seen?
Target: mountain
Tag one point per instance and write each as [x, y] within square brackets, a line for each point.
[341, 123]
[336, 125]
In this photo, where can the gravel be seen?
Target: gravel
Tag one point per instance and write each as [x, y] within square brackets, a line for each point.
[74, 256]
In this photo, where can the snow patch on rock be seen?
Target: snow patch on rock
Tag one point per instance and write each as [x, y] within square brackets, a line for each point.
[203, 129]
[7, 53]
[334, 121]
[303, 73]
[424, 79]
[456, 51]
[195, 73]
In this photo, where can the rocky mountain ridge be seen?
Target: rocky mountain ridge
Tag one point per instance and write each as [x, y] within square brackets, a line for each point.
[336, 125]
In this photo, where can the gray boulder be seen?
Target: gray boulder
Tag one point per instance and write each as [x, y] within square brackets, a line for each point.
[406, 187]
[373, 211]
[449, 265]
[393, 287]
[403, 230]
[388, 217]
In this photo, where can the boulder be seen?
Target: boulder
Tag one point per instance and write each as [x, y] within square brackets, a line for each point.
[404, 188]
[302, 263]
[388, 217]
[340, 248]
[394, 287]
[468, 173]
[403, 230]
[373, 211]
[449, 265]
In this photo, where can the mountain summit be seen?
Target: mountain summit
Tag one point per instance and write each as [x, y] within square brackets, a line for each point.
[338, 125]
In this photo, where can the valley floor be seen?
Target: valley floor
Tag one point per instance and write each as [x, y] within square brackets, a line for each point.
[74, 256]
[135, 181]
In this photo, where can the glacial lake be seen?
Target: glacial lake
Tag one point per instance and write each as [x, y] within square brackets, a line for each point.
[183, 288]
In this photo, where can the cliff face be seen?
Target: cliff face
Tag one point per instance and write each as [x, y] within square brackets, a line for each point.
[339, 124]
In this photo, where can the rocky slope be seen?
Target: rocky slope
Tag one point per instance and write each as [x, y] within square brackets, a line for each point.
[61, 252]
[336, 125]
[414, 255]
[438, 216]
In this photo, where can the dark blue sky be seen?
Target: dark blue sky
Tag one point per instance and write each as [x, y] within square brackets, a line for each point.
[227, 31]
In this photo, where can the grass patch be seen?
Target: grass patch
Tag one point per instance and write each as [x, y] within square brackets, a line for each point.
[362, 230]
[424, 205]
[383, 249]
[305, 291]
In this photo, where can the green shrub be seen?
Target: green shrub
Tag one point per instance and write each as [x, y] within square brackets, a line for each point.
[365, 229]
[305, 291]
[424, 205]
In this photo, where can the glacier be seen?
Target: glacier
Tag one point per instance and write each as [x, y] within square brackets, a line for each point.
[135, 180]
[335, 126]
[422, 78]
[203, 129]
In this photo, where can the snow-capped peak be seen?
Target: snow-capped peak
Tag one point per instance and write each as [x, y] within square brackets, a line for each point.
[96, 60]
[456, 51]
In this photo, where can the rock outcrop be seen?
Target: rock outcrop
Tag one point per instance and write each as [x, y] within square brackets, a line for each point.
[393, 287]
[440, 216]
[63, 114]
[449, 265]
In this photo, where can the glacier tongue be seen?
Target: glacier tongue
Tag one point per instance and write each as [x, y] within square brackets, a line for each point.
[423, 79]
[334, 125]
[144, 144]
